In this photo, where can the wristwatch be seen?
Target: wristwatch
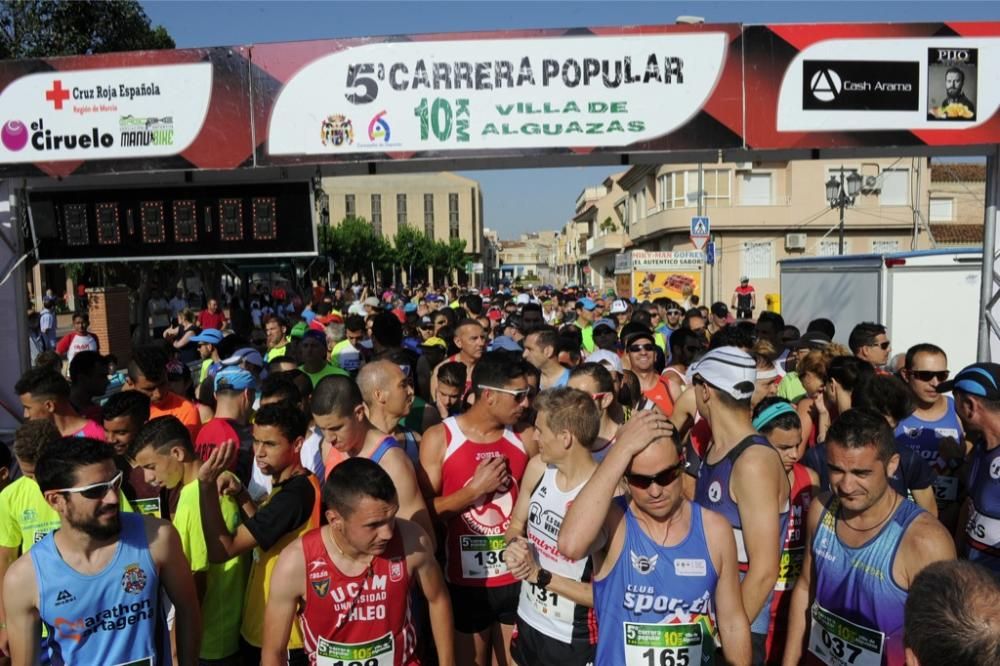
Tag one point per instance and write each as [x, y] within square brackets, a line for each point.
[544, 578]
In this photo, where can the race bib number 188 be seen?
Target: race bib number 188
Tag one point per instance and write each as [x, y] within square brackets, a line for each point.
[662, 644]
[378, 652]
[839, 642]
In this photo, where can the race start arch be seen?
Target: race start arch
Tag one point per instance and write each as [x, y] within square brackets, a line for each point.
[210, 152]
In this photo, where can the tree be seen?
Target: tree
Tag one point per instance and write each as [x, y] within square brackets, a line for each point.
[42, 28]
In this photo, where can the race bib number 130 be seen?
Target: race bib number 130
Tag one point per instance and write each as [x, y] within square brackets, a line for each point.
[483, 556]
[662, 644]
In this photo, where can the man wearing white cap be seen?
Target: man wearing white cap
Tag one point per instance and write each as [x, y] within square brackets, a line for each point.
[619, 311]
[741, 477]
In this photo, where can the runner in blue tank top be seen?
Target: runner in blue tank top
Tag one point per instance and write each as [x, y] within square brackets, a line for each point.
[977, 394]
[666, 577]
[96, 581]
[867, 543]
[741, 477]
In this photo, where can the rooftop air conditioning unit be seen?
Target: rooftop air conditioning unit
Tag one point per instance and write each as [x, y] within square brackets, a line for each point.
[870, 184]
[795, 241]
[744, 166]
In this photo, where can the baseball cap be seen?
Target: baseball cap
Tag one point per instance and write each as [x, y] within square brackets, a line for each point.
[494, 315]
[728, 369]
[633, 331]
[720, 309]
[212, 336]
[372, 302]
[235, 379]
[619, 306]
[608, 359]
[426, 322]
[298, 330]
[316, 335]
[522, 299]
[744, 279]
[812, 340]
[586, 303]
[410, 307]
[248, 354]
[434, 341]
[506, 343]
[978, 379]
[604, 321]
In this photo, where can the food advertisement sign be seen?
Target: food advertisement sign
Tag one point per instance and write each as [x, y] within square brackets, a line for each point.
[651, 275]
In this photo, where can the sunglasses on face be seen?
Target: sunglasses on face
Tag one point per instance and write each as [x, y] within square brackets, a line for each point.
[674, 313]
[641, 348]
[519, 395]
[597, 397]
[928, 375]
[96, 490]
[882, 345]
[662, 478]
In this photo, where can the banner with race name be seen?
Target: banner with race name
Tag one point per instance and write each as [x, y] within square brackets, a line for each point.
[662, 87]
[511, 94]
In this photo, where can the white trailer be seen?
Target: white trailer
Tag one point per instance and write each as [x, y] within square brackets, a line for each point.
[927, 296]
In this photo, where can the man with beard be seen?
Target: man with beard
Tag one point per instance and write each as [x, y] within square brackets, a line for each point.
[100, 575]
[277, 338]
[867, 544]
[954, 81]
[350, 582]
[473, 464]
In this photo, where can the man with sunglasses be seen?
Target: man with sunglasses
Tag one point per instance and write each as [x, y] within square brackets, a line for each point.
[678, 586]
[742, 478]
[96, 582]
[869, 342]
[473, 464]
[933, 431]
[640, 345]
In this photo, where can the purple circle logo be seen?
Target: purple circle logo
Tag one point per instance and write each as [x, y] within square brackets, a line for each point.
[14, 135]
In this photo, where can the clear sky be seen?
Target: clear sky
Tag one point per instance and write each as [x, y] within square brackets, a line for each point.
[516, 200]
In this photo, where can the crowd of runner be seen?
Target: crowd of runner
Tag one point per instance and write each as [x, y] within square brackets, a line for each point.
[533, 476]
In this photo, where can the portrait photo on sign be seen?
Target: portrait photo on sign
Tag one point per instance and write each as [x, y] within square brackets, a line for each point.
[951, 84]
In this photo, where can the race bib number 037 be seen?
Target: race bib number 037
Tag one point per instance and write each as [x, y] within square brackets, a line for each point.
[662, 644]
[839, 642]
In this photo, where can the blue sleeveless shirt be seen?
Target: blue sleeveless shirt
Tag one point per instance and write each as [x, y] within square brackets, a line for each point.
[712, 492]
[658, 602]
[112, 617]
[982, 531]
[857, 615]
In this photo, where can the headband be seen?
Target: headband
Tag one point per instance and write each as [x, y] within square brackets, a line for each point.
[772, 412]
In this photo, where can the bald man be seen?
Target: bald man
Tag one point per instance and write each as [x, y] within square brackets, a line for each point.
[388, 395]
[338, 410]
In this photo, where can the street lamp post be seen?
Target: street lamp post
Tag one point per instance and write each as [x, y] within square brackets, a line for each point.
[409, 276]
[841, 193]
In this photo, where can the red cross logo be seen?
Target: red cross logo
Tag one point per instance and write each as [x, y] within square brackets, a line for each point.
[57, 95]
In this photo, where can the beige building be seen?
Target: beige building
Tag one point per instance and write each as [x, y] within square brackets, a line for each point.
[760, 213]
[957, 196]
[598, 207]
[528, 258]
[444, 206]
